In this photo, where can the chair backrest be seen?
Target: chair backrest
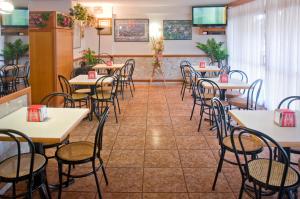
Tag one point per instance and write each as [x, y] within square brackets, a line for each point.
[80, 71]
[207, 87]
[193, 79]
[27, 69]
[131, 63]
[253, 94]
[286, 102]
[64, 85]
[220, 118]
[99, 133]
[10, 70]
[52, 99]
[16, 138]
[106, 87]
[243, 158]
[239, 75]
[185, 69]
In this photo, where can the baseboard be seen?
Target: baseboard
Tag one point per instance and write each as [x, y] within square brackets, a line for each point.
[158, 80]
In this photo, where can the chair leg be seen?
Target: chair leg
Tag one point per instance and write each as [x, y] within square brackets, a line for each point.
[47, 185]
[201, 115]
[115, 111]
[193, 109]
[132, 84]
[103, 170]
[130, 89]
[14, 188]
[219, 168]
[69, 173]
[183, 93]
[60, 179]
[182, 88]
[118, 104]
[242, 190]
[96, 179]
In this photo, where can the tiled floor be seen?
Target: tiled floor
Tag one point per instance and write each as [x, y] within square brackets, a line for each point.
[154, 152]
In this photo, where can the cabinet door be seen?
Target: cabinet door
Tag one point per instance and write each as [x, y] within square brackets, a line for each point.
[41, 64]
[64, 53]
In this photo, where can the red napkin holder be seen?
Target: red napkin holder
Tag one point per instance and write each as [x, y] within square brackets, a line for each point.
[109, 63]
[224, 78]
[202, 64]
[285, 118]
[92, 75]
[36, 113]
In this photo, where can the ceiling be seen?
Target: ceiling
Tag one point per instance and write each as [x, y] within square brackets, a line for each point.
[155, 3]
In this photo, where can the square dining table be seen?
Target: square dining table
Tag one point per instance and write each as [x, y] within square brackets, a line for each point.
[231, 84]
[263, 121]
[58, 125]
[109, 68]
[83, 80]
[203, 71]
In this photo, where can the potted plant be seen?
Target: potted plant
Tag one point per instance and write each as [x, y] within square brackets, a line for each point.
[14, 51]
[89, 58]
[214, 50]
[81, 13]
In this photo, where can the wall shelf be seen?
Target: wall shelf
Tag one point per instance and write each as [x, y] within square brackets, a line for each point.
[14, 31]
[212, 30]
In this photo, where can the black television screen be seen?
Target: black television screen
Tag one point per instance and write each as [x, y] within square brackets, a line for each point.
[18, 18]
[209, 15]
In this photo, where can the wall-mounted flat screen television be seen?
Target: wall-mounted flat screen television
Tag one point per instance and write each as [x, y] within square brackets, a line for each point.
[18, 18]
[209, 15]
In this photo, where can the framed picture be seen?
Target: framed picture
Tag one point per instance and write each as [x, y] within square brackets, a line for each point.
[177, 29]
[77, 34]
[131, 30]
[105, 23]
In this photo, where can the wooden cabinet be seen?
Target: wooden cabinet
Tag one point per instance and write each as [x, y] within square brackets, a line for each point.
[51, 53]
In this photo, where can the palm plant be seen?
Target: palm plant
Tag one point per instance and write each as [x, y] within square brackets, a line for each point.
[20, 49]
[214, 50]
[14, 51]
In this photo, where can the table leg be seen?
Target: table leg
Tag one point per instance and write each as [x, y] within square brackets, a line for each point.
[203, 74]
[222, 94]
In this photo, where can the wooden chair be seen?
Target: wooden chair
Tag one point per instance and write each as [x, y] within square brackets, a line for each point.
[185, 68]
[286, 103]
[221, 119]
[23, 167]
[76, 96]
[239, 75]
[82, 152]
[106, 88]
[249, 103]
[265, 173]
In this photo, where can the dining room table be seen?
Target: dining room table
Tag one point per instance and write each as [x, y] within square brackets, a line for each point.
[58, 125]
[109, 67]
[204, 70]
[224, 86]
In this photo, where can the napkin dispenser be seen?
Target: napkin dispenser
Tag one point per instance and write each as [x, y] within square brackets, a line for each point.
[36, 113]
[202, 64]
[224, 78]
[109, 63]
[92, 75]
[285, 117]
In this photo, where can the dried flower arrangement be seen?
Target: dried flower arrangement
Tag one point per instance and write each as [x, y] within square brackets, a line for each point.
[158, 48]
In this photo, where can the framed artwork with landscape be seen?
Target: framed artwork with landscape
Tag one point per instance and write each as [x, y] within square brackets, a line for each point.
[131, 30]
[177, 29]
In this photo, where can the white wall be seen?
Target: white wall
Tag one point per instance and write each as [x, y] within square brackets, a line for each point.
[50, 5]
[156, 15]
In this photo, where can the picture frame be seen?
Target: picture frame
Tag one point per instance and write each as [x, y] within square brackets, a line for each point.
[77, 35]
[131, 30]
[177, 29]
[105, 23]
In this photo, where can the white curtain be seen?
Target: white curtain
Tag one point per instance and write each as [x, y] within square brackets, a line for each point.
[283, 50]
[264, 41]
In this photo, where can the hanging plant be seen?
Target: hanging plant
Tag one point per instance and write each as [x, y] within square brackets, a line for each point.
[64, 21]
[40, 20]
[81, 13]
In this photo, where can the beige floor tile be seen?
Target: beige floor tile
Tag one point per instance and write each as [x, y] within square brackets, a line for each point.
[162, 158]
[126, 158]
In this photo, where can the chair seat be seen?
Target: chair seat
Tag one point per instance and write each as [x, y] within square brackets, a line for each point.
[8, 168]
[258, 170]
[224, 103]
[102, 96]
[83, 90]
[251, 144]
[79, 96]
[76, 151]
[238, 102]
[233, 94]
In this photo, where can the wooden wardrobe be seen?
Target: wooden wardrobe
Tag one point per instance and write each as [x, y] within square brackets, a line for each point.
[51, 54]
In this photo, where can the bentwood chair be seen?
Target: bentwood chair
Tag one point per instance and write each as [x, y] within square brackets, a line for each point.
[287, 103]
[65, 101]
[185, 68]
[25, 166]
[106, 88]
[81, 97]
[79, 88]
[239, 75]
[23, 76]
[266, 173]
[221, 119]
[9, 75]
[82, 152]
[249, 103]
[126, 73]
[207, 90]
[193, 79]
